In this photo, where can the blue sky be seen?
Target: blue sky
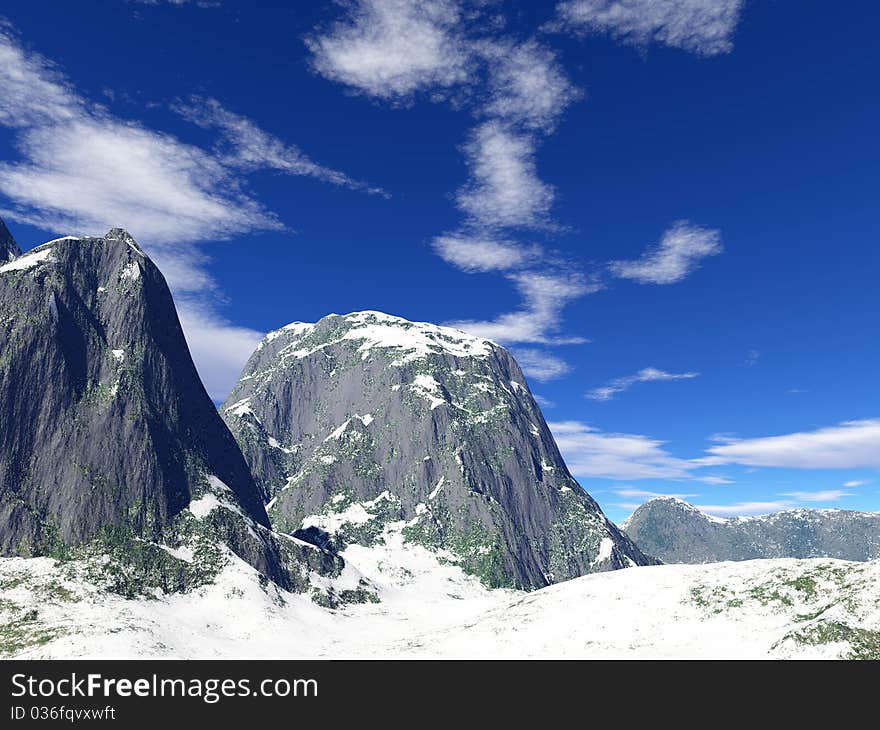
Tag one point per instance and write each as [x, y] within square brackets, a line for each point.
[667, 210]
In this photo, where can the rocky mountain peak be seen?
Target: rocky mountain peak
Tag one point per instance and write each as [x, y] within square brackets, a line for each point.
[8, 247]
[112, 442]
[377, 331]
[363, 421]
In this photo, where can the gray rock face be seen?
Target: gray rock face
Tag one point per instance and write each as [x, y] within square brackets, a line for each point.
[676, 532]
[365, 419]
[8, 247]
[107, 435]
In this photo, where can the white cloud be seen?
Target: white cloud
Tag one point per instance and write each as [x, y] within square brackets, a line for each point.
[677, 255]
[856, 483]
[219, 347]
[545, 295]
[505, 190]
[543, 402]
[91, 173]
[527, 86]
[646, 494]
[84, 171]
[393, 48]
[744, 509]
[827, 495]
[589, 452]
[645, 375]
[592, 453]
[33, 90]
[540, 365]
[474, 253]
[704, 27]
[247, 147]
[752, 359]
[849, 445]
[180, 3]
[714, 480]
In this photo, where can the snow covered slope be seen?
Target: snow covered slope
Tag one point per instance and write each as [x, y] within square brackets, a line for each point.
[430, 608]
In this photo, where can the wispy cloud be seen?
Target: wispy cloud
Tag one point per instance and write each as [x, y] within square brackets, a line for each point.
[752, 358]
[849, 445]
[219, 347]
[647, 494]
[704, 27]
[89, 173]
[589, 452]
[518, 91]
[392, 49]
[543, 402]
[474, 253]
[827, 495]
[744, 509]
[83, 171]
[540, 365]
[676, 256]
[245, 146]
[714, 480]
[505, 190]
[527, 87]
[856, 483]
[645, 375]
[179, 3]
[539, 320]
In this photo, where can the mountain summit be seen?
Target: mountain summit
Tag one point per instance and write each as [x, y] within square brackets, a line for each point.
[677, 532]
[108, 439]
[366, 420]
[8, 247]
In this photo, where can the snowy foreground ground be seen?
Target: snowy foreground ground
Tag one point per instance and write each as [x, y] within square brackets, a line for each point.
[756, 609]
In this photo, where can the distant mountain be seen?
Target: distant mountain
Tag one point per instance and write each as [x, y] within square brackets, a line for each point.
[677, 532]
[8, 247]
[109, 443]
[367, 420]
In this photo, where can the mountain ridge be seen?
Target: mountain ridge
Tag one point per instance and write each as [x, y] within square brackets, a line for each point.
[677, 532]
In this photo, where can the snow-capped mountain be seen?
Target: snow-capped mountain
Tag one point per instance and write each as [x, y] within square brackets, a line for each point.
[365, 422]
[8, 247]
[109, 446]
[677, 532]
